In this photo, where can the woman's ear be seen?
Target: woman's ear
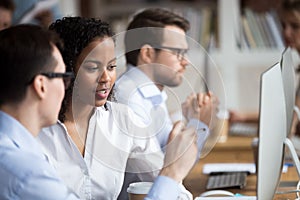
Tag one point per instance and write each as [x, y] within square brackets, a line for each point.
[39, 86]
[147, 54]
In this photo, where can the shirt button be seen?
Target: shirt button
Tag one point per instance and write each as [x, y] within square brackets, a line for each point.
[84, 171]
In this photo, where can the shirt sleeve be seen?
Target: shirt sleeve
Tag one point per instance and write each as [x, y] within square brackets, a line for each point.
[45, 187]
[202, 133]
[164, 188]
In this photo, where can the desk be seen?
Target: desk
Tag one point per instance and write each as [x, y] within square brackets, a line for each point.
[236, 149]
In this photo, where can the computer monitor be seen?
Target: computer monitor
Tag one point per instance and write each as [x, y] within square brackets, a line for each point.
[272, 132]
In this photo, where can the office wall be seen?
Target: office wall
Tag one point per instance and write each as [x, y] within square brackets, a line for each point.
[70, 7]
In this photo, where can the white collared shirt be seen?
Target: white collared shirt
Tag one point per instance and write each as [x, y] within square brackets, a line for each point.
[113, 137]
[135, 89]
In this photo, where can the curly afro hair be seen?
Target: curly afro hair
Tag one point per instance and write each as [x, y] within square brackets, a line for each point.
[76, 33]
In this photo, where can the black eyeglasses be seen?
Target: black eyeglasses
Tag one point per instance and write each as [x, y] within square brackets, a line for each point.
[67, 77]
[180, 53]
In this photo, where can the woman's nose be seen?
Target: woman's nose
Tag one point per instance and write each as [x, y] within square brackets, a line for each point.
[104, 77]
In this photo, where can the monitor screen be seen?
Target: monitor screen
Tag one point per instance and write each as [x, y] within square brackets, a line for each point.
[272, 132]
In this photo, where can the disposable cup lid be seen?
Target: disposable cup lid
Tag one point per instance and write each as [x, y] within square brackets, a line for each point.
[223, 114]
[139, 187]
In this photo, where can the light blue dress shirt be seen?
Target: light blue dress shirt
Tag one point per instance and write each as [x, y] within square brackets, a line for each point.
[24, 7]
[25, 172]
[164, 188]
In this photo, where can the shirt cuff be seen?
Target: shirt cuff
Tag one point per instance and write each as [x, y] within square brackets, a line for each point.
[198, 125]
[164, 188]
[202, 133]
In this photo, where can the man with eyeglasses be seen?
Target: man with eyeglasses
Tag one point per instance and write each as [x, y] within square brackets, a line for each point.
[32, 86]
[31, 91]
[156, 47]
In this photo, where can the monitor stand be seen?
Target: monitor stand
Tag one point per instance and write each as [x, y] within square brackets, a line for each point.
[295, 158]
[291, 147]
[293, 152]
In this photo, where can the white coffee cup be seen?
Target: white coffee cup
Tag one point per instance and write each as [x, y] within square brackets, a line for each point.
[223, 125]
[138, 190]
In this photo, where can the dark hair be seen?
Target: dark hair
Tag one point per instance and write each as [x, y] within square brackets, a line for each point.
[77, 33]
[25, 51]
[152, 17]
[7, 4]
[290, 5]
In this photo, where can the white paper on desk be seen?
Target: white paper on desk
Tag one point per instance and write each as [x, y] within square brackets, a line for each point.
[228, 167]
[233, 167]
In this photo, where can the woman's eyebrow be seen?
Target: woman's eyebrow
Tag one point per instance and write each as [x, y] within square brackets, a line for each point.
[99, 63]
[112, 60]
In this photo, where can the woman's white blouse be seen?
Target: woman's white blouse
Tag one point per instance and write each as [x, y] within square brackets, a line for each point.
[113, 138]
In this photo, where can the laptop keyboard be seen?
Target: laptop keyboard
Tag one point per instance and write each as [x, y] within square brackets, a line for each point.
[227, 180]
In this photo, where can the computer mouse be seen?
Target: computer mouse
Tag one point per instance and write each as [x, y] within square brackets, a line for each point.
[216, 193]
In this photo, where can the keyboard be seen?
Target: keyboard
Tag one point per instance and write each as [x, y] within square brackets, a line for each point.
[243, 129]
[227, 180]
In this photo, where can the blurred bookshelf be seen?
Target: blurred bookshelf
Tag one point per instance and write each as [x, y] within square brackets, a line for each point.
[244, 37]
[201, 14]
[260, 30]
